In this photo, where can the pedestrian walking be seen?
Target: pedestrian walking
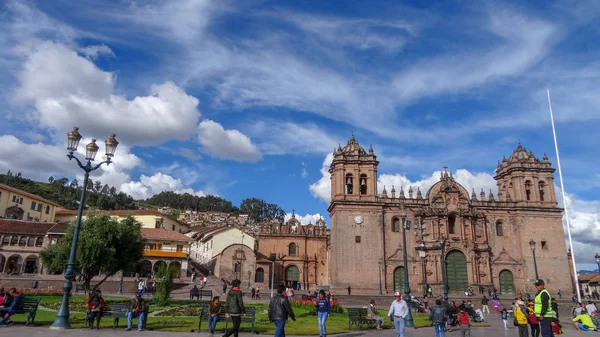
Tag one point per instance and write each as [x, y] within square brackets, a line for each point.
[438, 315]
[349, 290]
[521, 318]
[323, 310]
[504, 315]
[398, 311]
[463, 321]
[234, 308]
[485, 305]
[542, 308]
[253, 292]
[559, 293]
[279, 311]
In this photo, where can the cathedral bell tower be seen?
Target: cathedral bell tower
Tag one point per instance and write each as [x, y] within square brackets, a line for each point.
[525, 179]
[356, 218]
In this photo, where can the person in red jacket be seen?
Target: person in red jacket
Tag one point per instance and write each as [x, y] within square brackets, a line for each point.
[463, 320]
[95, 306]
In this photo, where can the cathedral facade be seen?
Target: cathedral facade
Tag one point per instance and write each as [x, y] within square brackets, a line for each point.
[486, 240]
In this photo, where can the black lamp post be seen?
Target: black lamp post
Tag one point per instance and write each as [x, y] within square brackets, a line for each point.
[444, 278]
[62, 316]
[598, 261]
[408, 321]
[380, 286]
[121, 284]
[423, 254]
[532, 246]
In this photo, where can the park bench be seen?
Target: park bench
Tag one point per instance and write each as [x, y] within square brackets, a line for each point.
[200, 293]
[118, 311]
[358, 318]
[250, 317]
[204, 314]
[29, 308]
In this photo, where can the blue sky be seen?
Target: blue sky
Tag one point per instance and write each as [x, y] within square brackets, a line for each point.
[247, 98]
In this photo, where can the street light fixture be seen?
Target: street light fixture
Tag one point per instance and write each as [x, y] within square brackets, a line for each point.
[444, 278]
[423, 254]
[408, 321]
[597, 257]
[91, 149]
[532, 246]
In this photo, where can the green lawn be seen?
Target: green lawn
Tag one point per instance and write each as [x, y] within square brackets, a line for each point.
[305, 324]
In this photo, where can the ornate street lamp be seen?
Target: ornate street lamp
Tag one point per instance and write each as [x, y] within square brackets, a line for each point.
[408, 321]
[422, 255]
[597, 257]
[91, 149]
[532, 246]
[444, 278]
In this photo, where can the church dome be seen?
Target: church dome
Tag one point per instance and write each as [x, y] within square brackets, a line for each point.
[520, 154]
[354, 148]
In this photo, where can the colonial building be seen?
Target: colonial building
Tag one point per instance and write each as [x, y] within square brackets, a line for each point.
[301, 253]
[148, 218]
[164, 247]
[20, 205]
[484, 239]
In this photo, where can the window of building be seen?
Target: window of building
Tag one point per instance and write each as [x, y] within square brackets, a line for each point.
[180, 248]
[499, 230]
[528, 190]
[40, 207]
[33, 205]
[259, 276]
[357, 239]
[363, 184]
[452, 224]
[395, 225]
[15, 198]
[47, 209]
[544, 245]
[173, 227]
[31, 242]
[542, 185]
[21, 201]
[5, 240]
[349, 184]
[237, 268]
[39, 241]
[158, 223]
[292, 249]
[14, 240]
[23, 241]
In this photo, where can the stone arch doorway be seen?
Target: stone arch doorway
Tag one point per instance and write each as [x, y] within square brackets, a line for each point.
[456, 272]
[399, 279]
[157, 265]
[145, 268]
[292, 276]
[507, 284]
[2, 262]
[14, 264]
[31, 265]
[177, 267]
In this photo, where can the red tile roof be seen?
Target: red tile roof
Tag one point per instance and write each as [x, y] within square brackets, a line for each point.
[164, 234]
[62, 211]
[59, 228]
[27, 194]
[10, 226]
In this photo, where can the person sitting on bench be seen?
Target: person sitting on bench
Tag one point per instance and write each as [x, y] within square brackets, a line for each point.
[95, 306]
[15, 305]
[137, 310]
[194, 292]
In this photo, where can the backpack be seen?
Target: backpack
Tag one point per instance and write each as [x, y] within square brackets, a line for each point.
[532, 318]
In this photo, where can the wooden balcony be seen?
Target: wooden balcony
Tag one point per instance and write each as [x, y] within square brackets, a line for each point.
[165, 253]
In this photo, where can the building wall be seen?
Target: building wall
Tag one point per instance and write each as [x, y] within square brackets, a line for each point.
[225, 264]
[147, 221]
[45, 214]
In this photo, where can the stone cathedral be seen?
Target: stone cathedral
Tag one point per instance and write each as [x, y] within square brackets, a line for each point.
[486, 237]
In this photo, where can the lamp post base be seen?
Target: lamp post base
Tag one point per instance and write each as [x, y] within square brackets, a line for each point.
[61, 323]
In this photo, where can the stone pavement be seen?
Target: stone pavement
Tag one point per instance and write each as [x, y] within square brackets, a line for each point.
[495, 329]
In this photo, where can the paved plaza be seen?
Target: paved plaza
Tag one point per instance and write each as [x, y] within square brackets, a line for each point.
[494, 330]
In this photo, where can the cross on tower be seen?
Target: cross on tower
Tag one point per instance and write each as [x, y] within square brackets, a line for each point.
[293, 212]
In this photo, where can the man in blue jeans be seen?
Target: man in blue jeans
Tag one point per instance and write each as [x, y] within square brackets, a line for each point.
[279, 310]
[439, 316]
[15, 305]
[137, 310]
[398, 311]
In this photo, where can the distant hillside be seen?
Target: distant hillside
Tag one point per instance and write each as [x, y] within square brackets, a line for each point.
[595, 271]
[68, 193]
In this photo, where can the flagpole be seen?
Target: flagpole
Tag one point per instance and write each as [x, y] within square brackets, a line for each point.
[562, 188]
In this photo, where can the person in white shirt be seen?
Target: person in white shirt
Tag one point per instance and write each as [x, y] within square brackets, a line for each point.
[591, 308]
[398, 311]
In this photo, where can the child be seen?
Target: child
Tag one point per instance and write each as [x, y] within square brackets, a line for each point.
[463, 320]
[258, 294]
[505, 318]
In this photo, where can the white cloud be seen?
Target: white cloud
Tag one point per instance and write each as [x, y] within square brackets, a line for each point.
[306, 219]
[67, 89]
[93, 52]
[304, 173]
[322, 188]
[226, 144]
[147, 186]
[280, 138]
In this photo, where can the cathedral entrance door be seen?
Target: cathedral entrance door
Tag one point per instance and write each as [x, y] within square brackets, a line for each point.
[456, 272]
[507, 284]
[399, 279]
[292, 276]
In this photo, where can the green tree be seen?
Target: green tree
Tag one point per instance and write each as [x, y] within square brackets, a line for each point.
[164, 276]
[258, 209]
[51, 179]
[105, 246]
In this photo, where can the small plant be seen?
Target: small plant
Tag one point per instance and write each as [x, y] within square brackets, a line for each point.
[164, 275]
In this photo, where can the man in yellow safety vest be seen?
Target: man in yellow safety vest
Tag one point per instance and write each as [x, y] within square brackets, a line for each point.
[543, 309]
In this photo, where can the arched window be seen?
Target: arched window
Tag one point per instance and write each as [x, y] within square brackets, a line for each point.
[499, 229]
[259, 276]
[395, 225]
[6, 240]
[292, 249]
[39, 242]
[31, 242]
[349, 183]
[528, 190]
[542, 185]
[14, 240]
[23, 241]
[452, 224]
[363, 184]
[237, 268]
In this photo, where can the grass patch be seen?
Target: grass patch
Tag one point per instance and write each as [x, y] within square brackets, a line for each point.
[306, 324]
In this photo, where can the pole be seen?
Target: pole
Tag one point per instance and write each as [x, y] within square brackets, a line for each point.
[380, 286]
[408, 321]
[562, 188]
[62, 316]
[121, 284]
[272, 276]
[444, 279]
[423, 271]
[535, 266]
